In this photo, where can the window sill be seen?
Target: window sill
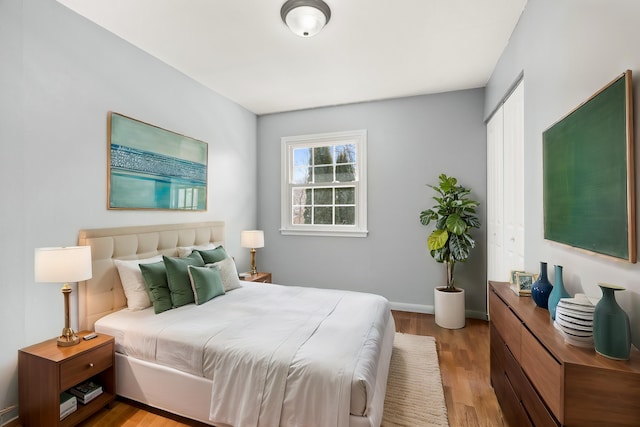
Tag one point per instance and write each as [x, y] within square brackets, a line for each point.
[325, 233]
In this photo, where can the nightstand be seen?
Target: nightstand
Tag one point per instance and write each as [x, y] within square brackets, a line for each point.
[46, 370]
[258, 277]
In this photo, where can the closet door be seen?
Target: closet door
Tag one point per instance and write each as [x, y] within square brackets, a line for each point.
[513, 143]
[505, 187]
[495, 199]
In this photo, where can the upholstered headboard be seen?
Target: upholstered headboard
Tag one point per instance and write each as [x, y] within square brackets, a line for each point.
[103, 293]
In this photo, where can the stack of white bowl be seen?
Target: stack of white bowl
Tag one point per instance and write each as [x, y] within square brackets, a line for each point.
[574, 318]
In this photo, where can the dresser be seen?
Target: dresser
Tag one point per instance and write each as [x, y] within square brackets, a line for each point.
[540, 380]
[46, 370]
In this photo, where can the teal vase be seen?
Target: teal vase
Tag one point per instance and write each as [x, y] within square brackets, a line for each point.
[557, 292]
[611, 329]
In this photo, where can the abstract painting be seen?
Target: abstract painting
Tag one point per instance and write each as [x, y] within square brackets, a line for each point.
[153, 168]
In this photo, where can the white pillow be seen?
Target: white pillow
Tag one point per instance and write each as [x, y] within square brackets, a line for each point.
[185, 251]
[228, 273]
[133, 283]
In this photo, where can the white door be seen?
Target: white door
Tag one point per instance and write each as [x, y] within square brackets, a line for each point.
[495, 197]
[513, 144]
[505, 187]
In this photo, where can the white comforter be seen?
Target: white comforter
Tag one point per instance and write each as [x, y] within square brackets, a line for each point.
[277, 355]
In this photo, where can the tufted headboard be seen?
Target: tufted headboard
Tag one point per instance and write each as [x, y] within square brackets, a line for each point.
[103, 293]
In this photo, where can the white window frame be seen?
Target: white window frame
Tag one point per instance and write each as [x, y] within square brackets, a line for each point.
[288, 144]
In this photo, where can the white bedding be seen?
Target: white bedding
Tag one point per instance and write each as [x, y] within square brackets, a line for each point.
[276, 341]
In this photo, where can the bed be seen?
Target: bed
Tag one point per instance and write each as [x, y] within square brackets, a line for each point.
[257, 355]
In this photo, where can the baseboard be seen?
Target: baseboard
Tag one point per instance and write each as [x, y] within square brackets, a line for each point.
[476, 315]
[412, 308]
[428, 309]
[15, 422]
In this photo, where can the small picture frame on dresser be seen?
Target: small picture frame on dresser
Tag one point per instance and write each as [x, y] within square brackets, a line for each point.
[523, 283]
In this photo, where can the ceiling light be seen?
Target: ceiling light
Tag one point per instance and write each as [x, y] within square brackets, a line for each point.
[305, 17]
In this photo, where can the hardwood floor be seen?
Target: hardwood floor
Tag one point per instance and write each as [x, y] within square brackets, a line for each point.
[464, 365]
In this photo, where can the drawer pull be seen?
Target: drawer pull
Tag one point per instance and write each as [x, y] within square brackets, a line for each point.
[91, 365]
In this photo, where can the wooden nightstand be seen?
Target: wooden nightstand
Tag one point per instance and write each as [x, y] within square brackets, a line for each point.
[258, 277]
[46, 370]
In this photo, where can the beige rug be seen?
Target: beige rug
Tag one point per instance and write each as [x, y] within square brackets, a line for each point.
[414, 389]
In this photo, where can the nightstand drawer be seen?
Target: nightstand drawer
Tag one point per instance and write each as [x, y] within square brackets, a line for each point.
[85, 365]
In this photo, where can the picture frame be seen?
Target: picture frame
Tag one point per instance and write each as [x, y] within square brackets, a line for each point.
[590, 152]
[152, 168]
[525, 281]
[522, 282]
[512, 276]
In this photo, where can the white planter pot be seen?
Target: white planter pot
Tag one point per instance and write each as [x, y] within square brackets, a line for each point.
[449, 308]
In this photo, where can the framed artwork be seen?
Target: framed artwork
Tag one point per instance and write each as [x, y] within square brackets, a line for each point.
[154, 168]
[522, 282]
[525, 281]
[588, 174]
[513, 276]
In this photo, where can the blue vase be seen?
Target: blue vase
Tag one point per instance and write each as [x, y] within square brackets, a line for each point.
[541, 288]
[557, 292]
[611, 329]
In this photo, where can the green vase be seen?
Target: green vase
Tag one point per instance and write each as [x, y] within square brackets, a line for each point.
[611, 329]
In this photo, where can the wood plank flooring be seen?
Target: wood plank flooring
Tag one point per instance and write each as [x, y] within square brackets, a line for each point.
[464, 365]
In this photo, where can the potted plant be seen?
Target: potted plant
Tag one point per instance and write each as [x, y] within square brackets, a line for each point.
[450, 242]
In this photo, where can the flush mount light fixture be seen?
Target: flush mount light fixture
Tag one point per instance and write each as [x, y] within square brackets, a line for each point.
[305, 17]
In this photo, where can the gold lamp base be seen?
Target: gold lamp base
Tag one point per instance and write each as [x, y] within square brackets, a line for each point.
[254, 270]
[68, 338]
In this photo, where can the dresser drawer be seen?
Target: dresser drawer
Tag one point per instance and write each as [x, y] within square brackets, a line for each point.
[507, 324]
[75, 370]
[513, 410]
[544, 372]
[533, 405]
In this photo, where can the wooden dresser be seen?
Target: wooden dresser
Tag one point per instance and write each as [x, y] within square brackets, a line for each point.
[540, 380]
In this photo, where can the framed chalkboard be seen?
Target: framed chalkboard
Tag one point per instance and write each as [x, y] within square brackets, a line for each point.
[588, 174]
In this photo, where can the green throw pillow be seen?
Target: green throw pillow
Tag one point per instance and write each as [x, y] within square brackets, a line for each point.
[206, 283]
[155, 280]
[178, 277]
[213, 255]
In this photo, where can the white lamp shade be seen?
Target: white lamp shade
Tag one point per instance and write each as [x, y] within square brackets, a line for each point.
[252, 239]
[306, 21]
[62, 265]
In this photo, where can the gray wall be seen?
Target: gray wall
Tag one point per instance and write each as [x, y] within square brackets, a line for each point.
[410, 142]
[568, 50]
[59, 77]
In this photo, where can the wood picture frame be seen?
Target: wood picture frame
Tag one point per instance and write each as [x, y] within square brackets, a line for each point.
[149, 167]
[522, 282]
[589, 174]
[513, 276]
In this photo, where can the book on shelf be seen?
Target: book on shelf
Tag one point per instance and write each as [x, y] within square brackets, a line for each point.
[86, 391]
[68, 404]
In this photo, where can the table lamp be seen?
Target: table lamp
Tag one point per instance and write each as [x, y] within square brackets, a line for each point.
[63, 265]
[252, 239]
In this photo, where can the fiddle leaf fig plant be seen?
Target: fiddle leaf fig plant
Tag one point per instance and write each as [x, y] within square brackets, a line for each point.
[454, 215]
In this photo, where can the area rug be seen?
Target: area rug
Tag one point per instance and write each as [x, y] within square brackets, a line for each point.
[414, 389]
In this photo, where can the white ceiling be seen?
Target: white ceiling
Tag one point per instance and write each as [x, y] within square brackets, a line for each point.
[371, 49]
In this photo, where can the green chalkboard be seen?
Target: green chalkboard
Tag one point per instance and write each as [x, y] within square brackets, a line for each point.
[588, 174]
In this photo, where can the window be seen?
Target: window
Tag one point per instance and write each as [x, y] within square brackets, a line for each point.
[324, 184]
